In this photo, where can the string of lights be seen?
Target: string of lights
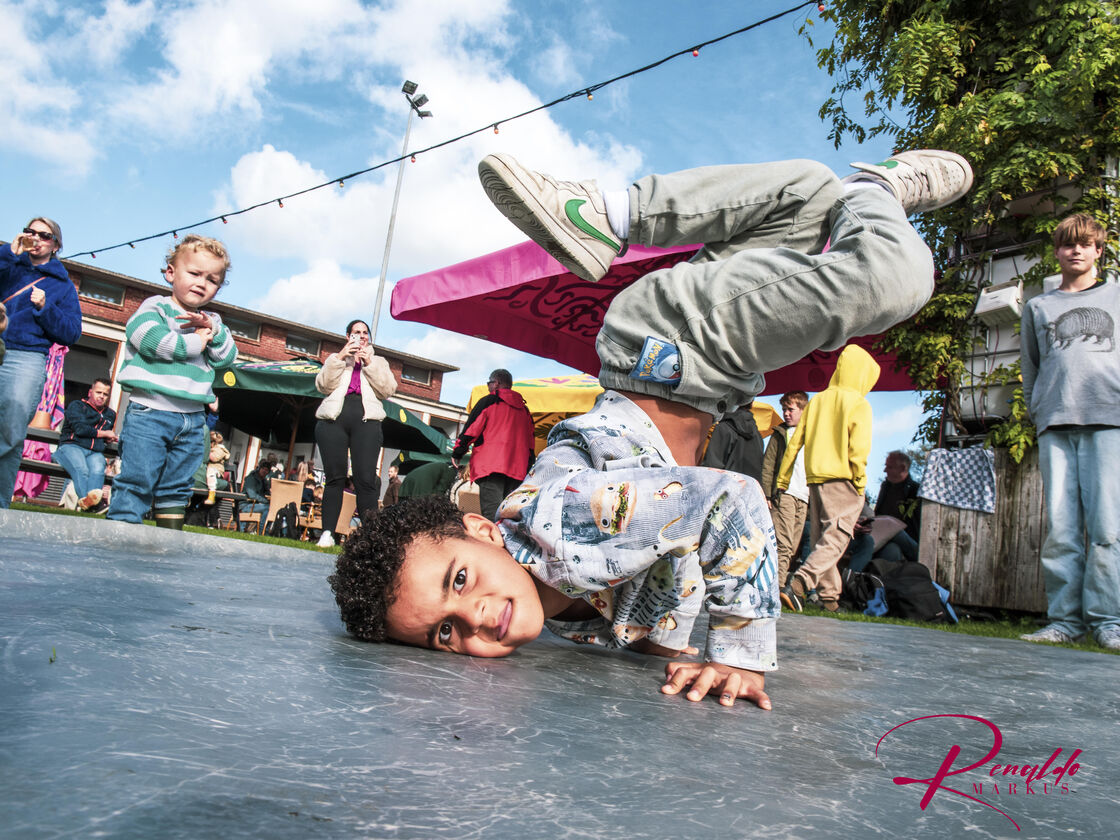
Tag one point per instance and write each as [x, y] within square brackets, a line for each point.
[341, 180]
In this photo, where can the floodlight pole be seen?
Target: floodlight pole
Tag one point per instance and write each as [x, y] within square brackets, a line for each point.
[408, 89]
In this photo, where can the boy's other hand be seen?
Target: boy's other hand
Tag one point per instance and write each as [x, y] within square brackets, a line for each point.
[714, 678]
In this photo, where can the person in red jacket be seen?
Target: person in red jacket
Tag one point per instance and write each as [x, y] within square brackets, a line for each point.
[501, 429]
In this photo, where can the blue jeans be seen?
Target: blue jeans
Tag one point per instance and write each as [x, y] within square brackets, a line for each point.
[160, 451]
[22, 377]
[1082, 485]
[86, 467]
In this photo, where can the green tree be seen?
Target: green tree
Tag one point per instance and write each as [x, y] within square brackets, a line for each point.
[1027, 90]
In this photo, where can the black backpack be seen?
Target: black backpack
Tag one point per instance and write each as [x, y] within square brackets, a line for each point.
[858, 588]
[911, 593]
[286, 523]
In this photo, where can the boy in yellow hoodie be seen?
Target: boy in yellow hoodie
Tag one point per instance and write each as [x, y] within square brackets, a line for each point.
[836, 433]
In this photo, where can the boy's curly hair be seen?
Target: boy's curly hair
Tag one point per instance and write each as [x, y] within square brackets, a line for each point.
[365, 581]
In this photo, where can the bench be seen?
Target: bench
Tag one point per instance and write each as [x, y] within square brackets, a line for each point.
[50, 468]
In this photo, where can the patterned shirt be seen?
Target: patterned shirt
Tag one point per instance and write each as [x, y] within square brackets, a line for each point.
[607, 516]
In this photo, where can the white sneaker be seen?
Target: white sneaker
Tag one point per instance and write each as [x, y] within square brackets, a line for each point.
[90, 500]
[326, 540]
[1050, 633]
[921, 180]
[566, 218]
[1109, 637]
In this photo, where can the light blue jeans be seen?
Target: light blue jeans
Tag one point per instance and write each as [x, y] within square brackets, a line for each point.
[760, 294]
[1081, 480]
[86, 467]
[160, 451]
[22, 377]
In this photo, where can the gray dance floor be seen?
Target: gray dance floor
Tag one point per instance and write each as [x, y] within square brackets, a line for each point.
[161, 685]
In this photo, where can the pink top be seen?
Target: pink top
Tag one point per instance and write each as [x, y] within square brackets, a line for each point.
[355, 380]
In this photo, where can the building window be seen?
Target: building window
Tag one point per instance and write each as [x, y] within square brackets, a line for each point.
[302, 344]
[242, 328]
[101, 291]
[422, 376]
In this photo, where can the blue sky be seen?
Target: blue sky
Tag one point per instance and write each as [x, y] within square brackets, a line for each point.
[129, 118]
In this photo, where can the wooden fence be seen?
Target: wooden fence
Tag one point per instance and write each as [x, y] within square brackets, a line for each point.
[991, 559]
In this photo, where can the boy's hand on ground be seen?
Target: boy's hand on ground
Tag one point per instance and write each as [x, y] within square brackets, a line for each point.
[650, 649]
[714, 678]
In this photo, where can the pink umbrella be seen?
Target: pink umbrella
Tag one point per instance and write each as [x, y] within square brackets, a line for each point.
[520, 297]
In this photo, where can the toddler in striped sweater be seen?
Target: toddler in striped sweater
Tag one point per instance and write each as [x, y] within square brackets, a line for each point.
[172, 348]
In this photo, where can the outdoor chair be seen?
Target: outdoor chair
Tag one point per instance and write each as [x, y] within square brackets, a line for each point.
[346, 515]
[312, 520]
[252, 519]
[282, 493]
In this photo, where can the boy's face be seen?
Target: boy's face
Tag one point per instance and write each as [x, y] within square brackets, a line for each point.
[791, 414]
[465, 595]
[1077, 258]
[195, 277]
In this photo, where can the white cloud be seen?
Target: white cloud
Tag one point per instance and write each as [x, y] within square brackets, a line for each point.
[105, 38]
[902, 421]
[36, 103]
[325, 296]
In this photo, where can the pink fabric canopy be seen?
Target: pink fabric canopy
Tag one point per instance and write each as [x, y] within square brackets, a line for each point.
[520, 297]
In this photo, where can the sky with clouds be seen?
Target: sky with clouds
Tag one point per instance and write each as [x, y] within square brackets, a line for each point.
[124, 119]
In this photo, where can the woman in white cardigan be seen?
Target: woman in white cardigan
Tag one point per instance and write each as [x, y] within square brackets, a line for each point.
[355, 382]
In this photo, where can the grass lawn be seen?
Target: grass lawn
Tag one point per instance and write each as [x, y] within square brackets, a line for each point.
[214, 532]
[1002, 626]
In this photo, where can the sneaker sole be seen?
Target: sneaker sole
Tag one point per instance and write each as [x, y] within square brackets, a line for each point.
[940, 154]
[789, 603]
[515, 198]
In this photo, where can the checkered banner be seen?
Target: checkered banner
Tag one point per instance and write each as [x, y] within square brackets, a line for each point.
[963, 478]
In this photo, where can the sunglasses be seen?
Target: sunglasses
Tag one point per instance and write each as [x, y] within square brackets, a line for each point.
[43, 235]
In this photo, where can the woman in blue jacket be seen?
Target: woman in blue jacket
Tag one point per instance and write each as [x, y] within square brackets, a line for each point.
[43, 309]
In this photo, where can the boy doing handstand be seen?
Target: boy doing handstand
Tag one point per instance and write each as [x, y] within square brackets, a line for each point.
[616, 537]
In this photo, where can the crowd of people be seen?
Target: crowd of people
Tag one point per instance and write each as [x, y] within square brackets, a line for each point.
[645, 508]
[173, 344]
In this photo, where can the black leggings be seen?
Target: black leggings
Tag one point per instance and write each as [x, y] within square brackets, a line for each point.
[363, 440]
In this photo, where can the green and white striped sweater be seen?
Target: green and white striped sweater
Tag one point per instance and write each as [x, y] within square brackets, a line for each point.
[162, 357]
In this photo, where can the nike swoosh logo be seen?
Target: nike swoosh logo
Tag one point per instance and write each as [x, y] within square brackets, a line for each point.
[571, 210]
[888, 164]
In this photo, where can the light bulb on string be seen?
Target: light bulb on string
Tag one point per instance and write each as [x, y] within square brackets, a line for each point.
[281, 203]
[495, 128]
[696, 53]
[225, 221]
[414, 158]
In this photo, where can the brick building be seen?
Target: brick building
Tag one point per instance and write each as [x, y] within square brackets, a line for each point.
[109, 299]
